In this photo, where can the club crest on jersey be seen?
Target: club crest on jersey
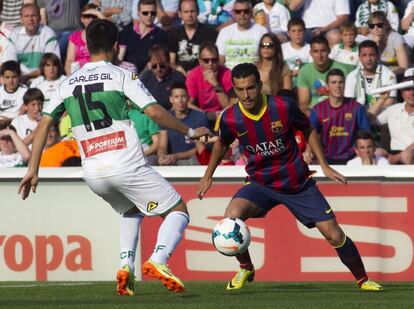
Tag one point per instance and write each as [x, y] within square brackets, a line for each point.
[104, 143]
[151, 206]
[348, 116]
[276, 126]
[134, 76]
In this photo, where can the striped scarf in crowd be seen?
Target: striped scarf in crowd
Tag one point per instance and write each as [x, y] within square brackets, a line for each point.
[366, 9]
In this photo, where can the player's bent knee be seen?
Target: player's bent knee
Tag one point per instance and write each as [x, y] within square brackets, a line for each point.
[336, 239]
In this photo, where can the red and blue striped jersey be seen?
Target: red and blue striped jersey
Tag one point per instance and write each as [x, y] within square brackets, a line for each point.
[337, 127]
[268, 142]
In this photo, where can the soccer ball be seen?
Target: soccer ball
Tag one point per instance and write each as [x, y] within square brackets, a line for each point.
[231, 236]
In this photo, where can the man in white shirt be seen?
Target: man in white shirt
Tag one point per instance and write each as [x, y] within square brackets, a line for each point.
[370, 74]
[365, 151]
[323, 17]
[400, 120]
[29, 42]
[239, 42]
[277, 17]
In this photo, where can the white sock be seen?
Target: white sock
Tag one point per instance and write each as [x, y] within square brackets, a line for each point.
[128, 238]
[169, 235]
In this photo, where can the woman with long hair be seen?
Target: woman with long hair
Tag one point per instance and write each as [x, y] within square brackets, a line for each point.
[391, 44]
[274, 73]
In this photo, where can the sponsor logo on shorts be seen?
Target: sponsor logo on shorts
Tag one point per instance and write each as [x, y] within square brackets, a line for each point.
[328, 210]
[104, 143]
[151, 206]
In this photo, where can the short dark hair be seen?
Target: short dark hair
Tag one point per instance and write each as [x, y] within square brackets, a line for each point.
[296, 21]
[210, 46]
[10, 65]
[55, 60]
[157, 50]
[146, 2]
[101, 36]
[368, 44]
[244, 70]
[33, 94]
[178, 85]
[319, 40]
[361, 134]
[181, 2]
[335, 72]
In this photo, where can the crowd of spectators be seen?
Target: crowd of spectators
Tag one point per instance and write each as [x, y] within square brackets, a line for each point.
[327, 54]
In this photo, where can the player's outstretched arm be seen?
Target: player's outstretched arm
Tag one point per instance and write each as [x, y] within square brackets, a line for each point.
[315, 144]
[29, 181]
[157, 113]
[219, 151]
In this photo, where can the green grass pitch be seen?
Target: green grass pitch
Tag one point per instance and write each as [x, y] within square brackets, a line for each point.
[205, 295]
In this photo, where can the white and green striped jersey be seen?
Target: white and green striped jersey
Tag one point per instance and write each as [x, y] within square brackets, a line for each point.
[27, 49]
[96, 99]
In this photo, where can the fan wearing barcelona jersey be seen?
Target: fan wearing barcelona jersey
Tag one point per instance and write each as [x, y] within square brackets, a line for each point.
[277, 173]
[114, 166]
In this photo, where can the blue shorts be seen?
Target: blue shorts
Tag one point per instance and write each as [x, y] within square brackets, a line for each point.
[308, 204]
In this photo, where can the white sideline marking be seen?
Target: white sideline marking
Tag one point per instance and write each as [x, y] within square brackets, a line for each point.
[44, 285]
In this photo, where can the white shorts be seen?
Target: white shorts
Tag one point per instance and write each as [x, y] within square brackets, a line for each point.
[142, 188]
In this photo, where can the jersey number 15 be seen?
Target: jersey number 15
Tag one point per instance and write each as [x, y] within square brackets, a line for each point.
[87, 103]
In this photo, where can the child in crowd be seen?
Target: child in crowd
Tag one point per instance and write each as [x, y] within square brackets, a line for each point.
[13, 151]
[51, 74]
[11, 92]
[347, 51]
[26, 124]
[296, 52]
[273, 16]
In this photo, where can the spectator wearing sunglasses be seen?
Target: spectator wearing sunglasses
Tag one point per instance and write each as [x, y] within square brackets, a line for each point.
[77, 54]
[160, 76]
[274, 72]
[390, 43]
[209, 83]
[368, 7]
[184, 43]
[239, 42]
[138, 37]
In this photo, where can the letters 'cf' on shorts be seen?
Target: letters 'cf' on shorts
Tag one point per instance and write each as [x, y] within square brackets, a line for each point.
[308, 204]
[141, 187]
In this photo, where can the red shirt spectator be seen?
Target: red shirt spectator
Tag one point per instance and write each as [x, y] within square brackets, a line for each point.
[203, 92]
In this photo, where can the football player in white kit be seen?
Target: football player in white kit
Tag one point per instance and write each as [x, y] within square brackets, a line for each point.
[96, 99]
